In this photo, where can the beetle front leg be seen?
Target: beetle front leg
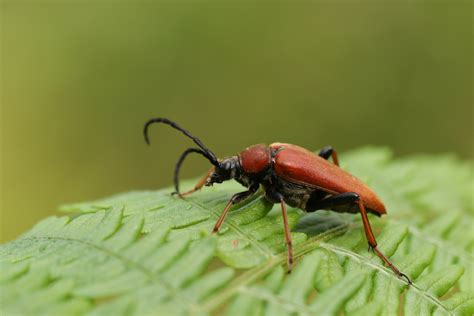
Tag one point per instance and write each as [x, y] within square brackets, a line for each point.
[177, 168]
[236, 198]
[329, 151]
[198, 185]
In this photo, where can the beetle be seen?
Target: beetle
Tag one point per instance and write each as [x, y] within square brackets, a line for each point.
[290, 175]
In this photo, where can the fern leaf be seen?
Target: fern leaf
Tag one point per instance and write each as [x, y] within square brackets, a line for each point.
[148, 253]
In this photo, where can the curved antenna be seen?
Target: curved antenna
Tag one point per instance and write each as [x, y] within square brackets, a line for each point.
[206, 152]
[179, 164]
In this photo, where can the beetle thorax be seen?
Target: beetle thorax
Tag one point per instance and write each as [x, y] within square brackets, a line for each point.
[255, 159]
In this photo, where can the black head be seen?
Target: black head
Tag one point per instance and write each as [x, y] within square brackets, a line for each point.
[228, 169]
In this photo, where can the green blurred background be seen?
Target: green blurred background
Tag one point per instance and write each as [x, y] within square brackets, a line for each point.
[79, 79]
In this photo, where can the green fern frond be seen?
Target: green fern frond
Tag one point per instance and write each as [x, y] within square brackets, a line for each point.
[148, 253]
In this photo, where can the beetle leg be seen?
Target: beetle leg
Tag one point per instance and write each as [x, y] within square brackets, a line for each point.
[317, 203]
[198, 185]
[329, 151]
[236, 198]
[348, 198]
[373, 243]
[178, 167]
[289, 245]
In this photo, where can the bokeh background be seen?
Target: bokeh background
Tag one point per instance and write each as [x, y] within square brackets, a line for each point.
[79, 79]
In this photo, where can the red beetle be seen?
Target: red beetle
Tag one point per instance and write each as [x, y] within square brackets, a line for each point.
[291, 175]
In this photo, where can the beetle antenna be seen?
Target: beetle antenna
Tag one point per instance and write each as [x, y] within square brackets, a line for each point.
[206, 152]
[180, 163]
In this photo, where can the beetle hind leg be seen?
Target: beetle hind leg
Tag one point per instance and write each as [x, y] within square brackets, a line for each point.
[348, 199]
[328, 151]
[317, 201]
[373, 243]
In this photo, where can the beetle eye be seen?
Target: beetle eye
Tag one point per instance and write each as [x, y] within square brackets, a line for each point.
[216, 178]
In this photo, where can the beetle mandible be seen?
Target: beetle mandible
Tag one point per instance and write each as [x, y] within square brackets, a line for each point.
[291, 175]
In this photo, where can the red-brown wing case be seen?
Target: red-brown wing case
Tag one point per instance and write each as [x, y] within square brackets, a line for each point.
[299, 165]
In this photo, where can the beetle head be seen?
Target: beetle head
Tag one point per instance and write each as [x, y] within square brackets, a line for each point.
[227, 169]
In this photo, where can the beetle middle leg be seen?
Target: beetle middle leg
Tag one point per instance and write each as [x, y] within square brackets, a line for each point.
[276, 197]
[236, 198]
[328, 151]
[288, 241]
[347, 199]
